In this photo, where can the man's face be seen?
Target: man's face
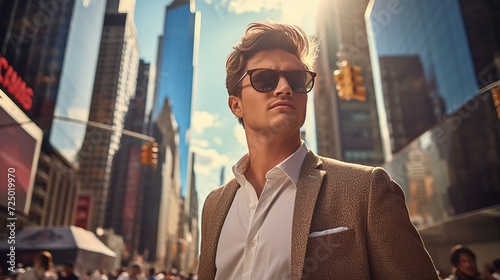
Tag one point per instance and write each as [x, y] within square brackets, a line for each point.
[466, 265]
[68, 269]
[278, 111]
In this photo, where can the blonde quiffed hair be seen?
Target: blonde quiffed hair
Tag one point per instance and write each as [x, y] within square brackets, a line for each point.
[268, 36]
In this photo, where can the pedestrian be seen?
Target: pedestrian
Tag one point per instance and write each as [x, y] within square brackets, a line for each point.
[151, 274]
[134, 272]
[68, 272]
[463, 260]
[289, 213]
[43, 268]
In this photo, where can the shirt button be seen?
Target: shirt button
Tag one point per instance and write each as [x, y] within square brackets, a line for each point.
[253, 243]
[252, 206]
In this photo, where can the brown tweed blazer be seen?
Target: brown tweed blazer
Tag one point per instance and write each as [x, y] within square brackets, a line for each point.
[381, 242]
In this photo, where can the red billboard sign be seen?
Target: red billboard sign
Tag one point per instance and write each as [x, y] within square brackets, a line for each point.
[14, 84]
[20, 144]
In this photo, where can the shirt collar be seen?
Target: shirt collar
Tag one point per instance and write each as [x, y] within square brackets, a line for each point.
[290, 166]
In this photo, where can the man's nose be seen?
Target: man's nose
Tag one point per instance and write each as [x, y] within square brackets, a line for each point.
[283, 87]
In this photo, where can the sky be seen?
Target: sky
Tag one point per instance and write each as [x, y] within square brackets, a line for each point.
[216, 137]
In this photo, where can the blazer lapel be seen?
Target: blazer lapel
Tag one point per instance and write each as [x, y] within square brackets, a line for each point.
[218, 214]
[224, 202]
[308, 187]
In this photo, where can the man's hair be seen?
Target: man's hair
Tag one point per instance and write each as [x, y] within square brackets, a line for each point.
[134, 265]
[458, 250]
[268, 36]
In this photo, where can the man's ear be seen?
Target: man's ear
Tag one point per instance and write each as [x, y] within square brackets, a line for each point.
[235, 106]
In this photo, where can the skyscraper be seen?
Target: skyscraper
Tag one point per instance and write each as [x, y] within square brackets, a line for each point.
[418, 28]
[114, 86]
[176, 71]
[449, 172]
[409, 101]
[346, 130]
[126, 191]
[52, 46]
[162, 194]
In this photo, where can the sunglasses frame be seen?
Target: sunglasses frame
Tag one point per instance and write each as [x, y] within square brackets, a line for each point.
[280, 73]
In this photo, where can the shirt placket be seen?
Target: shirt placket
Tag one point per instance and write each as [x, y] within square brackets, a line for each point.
[251, 242]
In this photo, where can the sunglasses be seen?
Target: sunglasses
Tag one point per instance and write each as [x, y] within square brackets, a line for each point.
[266, 80]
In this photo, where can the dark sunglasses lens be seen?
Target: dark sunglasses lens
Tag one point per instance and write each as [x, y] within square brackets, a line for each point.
[264, 80]
[300, 81]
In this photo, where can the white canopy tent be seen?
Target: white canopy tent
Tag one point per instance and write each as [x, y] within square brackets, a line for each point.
[74, 244]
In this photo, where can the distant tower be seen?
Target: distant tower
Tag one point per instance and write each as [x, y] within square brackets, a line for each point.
[126, 191]
[177, 69]
[346, 130]
[114, 86]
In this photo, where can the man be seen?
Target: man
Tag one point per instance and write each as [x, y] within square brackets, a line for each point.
[464, 264]
[68, 272]
[134, 273]
[290, 214]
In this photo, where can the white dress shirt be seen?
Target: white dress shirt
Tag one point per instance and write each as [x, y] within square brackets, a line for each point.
[255, 241]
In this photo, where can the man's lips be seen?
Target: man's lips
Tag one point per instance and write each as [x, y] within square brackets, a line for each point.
[282, 104]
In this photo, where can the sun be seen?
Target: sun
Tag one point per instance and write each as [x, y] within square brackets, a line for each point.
[302, 13]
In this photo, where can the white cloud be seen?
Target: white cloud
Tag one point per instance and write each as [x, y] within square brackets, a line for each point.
[209, 161]
[200, 143]
[202, 120]
[244, 6]
[297, 12]
[239, 134]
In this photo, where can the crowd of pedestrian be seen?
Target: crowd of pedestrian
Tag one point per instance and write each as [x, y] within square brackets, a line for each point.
[462, 259]
[464, 266]
[44, 269]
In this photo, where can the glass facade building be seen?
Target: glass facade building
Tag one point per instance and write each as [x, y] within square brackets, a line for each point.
[77, 77]
[54, 45]
[449, 172]
[177, 69]
[451, 179]
[435, 33]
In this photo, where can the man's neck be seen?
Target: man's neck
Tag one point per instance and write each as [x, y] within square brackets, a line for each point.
[264, 155]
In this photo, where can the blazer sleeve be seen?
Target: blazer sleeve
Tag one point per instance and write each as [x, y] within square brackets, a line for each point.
[396, 250]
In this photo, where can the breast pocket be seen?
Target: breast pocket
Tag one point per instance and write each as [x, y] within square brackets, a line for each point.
[331, 246]
[331, 254]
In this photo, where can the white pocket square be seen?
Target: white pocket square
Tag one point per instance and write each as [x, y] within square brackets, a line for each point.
[328, 231]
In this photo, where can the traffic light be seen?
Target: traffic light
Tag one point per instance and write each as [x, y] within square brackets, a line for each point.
[349, 82]
[343, 80]
[359, 91]
[149, 154]
[495, 95]
[154, 154]
[146, 153]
